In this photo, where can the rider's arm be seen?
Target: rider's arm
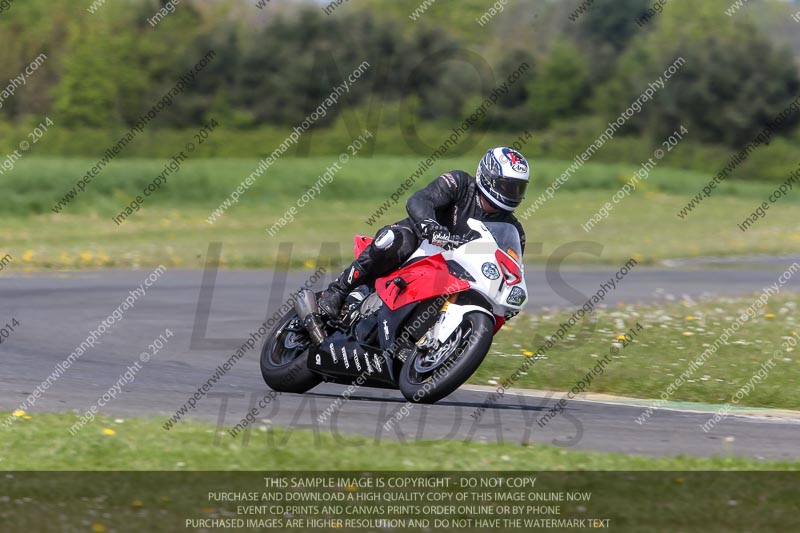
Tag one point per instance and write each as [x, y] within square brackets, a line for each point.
[441, 192]
[521, 230]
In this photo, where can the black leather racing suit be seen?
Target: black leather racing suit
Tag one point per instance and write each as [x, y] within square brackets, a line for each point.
[451, 199]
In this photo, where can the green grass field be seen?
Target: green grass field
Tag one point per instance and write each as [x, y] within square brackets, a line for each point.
[146, 479]
[142, 444]
[672, 335]
[171, 227]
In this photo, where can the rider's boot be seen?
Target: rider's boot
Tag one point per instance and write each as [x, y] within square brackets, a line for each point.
[331, 300]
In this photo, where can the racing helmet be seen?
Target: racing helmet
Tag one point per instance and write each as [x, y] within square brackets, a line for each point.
[502, 177]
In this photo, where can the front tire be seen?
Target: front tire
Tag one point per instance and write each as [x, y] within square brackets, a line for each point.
[427, 377]
[284, 357]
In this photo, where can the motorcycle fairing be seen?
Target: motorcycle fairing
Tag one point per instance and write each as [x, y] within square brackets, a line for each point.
[359, 243]
[342, 360]
[421, 280]
[409, 322]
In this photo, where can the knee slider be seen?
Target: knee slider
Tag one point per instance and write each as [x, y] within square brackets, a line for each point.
[385, 240]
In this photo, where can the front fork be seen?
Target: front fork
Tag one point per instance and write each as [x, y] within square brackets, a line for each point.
[452, 315]
[429, 340]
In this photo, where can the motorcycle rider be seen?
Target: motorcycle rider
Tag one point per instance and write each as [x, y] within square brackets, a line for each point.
[435, 213]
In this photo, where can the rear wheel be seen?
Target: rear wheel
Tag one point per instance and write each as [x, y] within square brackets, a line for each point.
[429, 376]
[284, 357]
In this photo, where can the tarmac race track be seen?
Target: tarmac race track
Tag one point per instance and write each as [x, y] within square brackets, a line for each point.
[56, 312]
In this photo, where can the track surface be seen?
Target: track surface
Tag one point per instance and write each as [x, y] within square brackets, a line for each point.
[56, 313]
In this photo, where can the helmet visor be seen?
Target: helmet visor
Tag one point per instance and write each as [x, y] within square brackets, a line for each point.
[509, 189]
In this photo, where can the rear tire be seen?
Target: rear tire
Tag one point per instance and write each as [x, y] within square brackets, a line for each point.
[424, 377]
[284, 357]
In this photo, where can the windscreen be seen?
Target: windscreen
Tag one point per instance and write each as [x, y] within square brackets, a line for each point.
[507, 238]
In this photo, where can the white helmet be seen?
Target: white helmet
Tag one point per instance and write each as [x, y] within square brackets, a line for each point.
[502, 177]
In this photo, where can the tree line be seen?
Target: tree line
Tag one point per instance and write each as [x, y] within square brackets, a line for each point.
[274, 65]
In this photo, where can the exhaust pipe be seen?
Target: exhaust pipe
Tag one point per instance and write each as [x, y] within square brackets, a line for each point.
[306, 308]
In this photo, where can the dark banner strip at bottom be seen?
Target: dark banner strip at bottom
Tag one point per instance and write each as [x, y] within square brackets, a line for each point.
[399, 501]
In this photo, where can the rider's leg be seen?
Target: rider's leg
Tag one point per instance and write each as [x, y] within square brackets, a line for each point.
[390, 248]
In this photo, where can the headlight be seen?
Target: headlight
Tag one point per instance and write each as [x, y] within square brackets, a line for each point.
[516, 297]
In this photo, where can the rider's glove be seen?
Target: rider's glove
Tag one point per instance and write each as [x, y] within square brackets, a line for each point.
[436, 234]
[440, 238]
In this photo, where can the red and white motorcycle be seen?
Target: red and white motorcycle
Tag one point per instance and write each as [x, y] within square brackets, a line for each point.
[423, 329]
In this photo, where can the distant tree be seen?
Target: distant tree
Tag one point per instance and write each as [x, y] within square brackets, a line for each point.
[277, 69]
[612, 22]
[210, 93]
[733, 81]
[116, 65]
[292, 65]
[561, 87]
[88, 91]
[26, 31]
[441, 74]
[513, 111]
[457, 20]
[605, 31]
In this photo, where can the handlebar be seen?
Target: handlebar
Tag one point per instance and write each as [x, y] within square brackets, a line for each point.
[455, 241]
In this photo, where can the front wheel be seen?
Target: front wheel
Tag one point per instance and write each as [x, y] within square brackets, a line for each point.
[284, 356]
[429, 376]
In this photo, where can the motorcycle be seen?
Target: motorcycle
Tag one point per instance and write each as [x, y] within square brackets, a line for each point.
[423, 329]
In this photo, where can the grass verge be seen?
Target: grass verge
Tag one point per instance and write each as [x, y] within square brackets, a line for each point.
[671, 336]
[42, 442]
[172, 228]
